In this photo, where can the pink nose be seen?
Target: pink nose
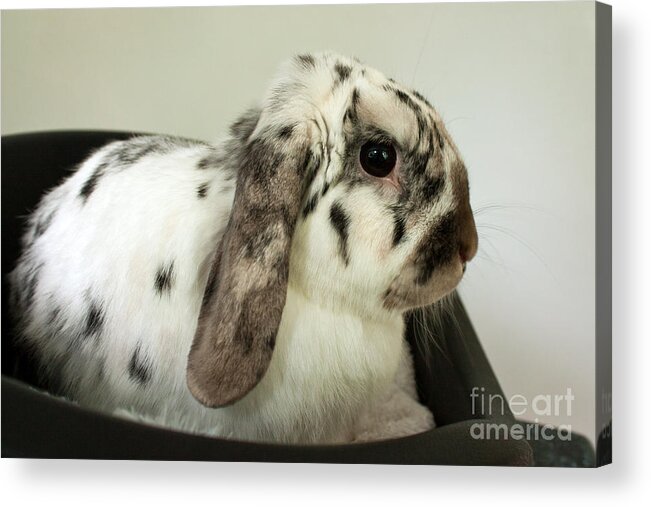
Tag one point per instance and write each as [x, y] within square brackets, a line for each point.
[463, 253]
[466, 252]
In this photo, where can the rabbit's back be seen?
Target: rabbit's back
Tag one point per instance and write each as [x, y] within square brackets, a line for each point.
[114, 264]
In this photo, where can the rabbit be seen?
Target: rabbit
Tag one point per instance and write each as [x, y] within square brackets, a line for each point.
[255, 288]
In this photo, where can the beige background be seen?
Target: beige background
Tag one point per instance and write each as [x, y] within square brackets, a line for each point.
[515, 83]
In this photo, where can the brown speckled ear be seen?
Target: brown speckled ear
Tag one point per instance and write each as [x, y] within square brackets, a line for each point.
[246, 292]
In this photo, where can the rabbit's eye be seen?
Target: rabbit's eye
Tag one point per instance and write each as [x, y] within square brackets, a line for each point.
[377, 159]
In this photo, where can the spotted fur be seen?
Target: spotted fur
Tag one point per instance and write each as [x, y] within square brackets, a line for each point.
[139, 369]
[202, 190]
[164, 278]
[340, 222]
[94, 320]
[89, 185]
[266, 274]
[343, 71]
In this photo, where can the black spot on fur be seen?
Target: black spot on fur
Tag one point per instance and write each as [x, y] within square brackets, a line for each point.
[164, 278]
[407, 100]
[419, 161]
[421, 98]
[422, 126]
[340, 222]
[351, 112]
[91, 183]
[213, 160]
[204, 163]
[202, 190]
[306, 61]
[139, 368]
[310, 166]
[439, 137]
[398, 228]
[354, 98]
[42, 223]
[310, 205]
[430, 144]
[436, 248]
[286, 131]
[94, 320]
[132, 151]
[343, 71]
[432, 187]
[420, 117]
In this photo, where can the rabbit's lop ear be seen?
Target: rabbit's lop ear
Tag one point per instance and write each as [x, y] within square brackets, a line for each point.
[246, 291]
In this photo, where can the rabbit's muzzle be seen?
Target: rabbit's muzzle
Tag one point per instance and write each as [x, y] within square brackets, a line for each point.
[437, 263]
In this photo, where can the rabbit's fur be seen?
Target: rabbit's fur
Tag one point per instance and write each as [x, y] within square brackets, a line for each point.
[163, 273]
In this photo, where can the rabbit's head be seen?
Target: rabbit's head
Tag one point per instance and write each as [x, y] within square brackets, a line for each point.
[349, 188]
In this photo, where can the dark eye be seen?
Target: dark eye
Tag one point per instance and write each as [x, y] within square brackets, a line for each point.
[377, 159]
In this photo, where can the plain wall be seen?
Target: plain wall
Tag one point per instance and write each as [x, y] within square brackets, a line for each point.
[515, 83]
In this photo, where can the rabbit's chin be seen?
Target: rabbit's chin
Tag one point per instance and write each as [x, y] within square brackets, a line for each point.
[406, 294]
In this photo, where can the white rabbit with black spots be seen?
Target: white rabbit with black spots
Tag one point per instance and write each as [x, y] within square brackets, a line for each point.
[254, 288]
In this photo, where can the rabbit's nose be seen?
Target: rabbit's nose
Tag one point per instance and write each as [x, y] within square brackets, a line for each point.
[467, 252]
[468, 240]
